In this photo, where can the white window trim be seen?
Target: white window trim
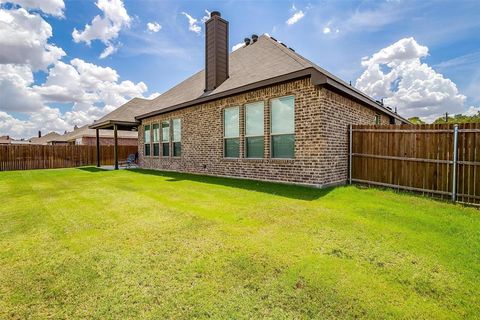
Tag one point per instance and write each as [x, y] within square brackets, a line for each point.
[253, 136]
[225, 138]
[281, 134]
[149, 142]
[167, 141]
[173, 141]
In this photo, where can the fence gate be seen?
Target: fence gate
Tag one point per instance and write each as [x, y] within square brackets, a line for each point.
[438, 160]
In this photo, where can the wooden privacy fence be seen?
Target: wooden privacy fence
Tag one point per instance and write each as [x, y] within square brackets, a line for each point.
[26, 157]
[438, 160]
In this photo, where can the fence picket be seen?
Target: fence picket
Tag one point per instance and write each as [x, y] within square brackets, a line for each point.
[418, 158]
[26, 157]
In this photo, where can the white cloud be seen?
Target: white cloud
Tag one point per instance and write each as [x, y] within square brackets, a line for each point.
[88, 91]
[206, 16]
[326, 30]
[106, 28]
[238, 46]
[14, 127]
[297, 16]
[51, 7]
[472, 111]
[382, 14]
[153, 95]
[15, 91]
[109, 50]
[192, 23]
[154, 26]
[408, 84]
[92, 91]
[23, 40]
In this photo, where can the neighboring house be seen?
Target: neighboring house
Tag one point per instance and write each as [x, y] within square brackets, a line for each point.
[5, 140]
[49, 138]
[86, 136]
[262, 112]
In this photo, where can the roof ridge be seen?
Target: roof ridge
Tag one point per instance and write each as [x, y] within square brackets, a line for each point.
[287, 51]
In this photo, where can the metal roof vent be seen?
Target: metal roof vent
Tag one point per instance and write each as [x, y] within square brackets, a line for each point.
[254, 38]
[247, 41]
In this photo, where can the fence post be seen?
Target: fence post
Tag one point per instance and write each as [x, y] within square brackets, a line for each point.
[455, 160]
[350, 154]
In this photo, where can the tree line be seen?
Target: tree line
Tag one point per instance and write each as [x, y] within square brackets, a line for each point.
[457, 118]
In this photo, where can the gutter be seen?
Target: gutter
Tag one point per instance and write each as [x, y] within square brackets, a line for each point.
[109, 123]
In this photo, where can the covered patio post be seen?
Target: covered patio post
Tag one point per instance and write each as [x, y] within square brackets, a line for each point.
[115, 146]
[98, 147]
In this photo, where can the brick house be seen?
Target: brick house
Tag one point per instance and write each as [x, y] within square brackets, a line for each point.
[263, 112]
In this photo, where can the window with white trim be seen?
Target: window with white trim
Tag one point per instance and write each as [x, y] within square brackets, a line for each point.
[282, 129]
[165, 138]
[254, 130]
[156, 139]
[177, 137]
[146, 139]
[231, 132]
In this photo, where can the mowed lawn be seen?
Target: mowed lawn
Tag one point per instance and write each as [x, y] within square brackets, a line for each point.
[83, 243]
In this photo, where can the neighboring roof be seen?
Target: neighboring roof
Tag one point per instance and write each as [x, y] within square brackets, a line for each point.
[259, 64]
[125, 113]
[85, 131]
[44, 139]
[5, 139]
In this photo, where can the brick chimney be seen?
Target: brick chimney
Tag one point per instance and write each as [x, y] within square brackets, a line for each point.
[216, 51]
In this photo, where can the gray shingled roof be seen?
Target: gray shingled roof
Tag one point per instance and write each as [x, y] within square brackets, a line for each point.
[262, 60]
[44, 139]
[84, 131]
[128, 111]
[258, 62]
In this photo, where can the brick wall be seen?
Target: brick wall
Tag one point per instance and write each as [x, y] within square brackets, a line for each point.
[321, 137]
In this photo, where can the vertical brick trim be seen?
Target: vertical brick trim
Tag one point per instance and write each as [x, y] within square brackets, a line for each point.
[222, 132]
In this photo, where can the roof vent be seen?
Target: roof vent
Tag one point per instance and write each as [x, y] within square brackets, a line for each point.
[273, 38]
[247, 41]
[254, 38]
[291, 49]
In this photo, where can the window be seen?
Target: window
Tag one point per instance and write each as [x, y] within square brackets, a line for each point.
[146, 139]
[254, 138]
[177, 137]
[231, 134]
[283, 127]
[165, 138]
[156, 139]
[377, 119]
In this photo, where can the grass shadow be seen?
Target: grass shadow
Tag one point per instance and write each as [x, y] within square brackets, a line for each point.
[279, 189]
[92, 169]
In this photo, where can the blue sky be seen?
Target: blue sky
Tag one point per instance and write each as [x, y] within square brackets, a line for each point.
[334, 34]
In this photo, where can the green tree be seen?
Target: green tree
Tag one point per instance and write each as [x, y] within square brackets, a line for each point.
[459, 118]
[416, 120]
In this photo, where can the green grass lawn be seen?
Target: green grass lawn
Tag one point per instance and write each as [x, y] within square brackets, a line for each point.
[83, 243]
